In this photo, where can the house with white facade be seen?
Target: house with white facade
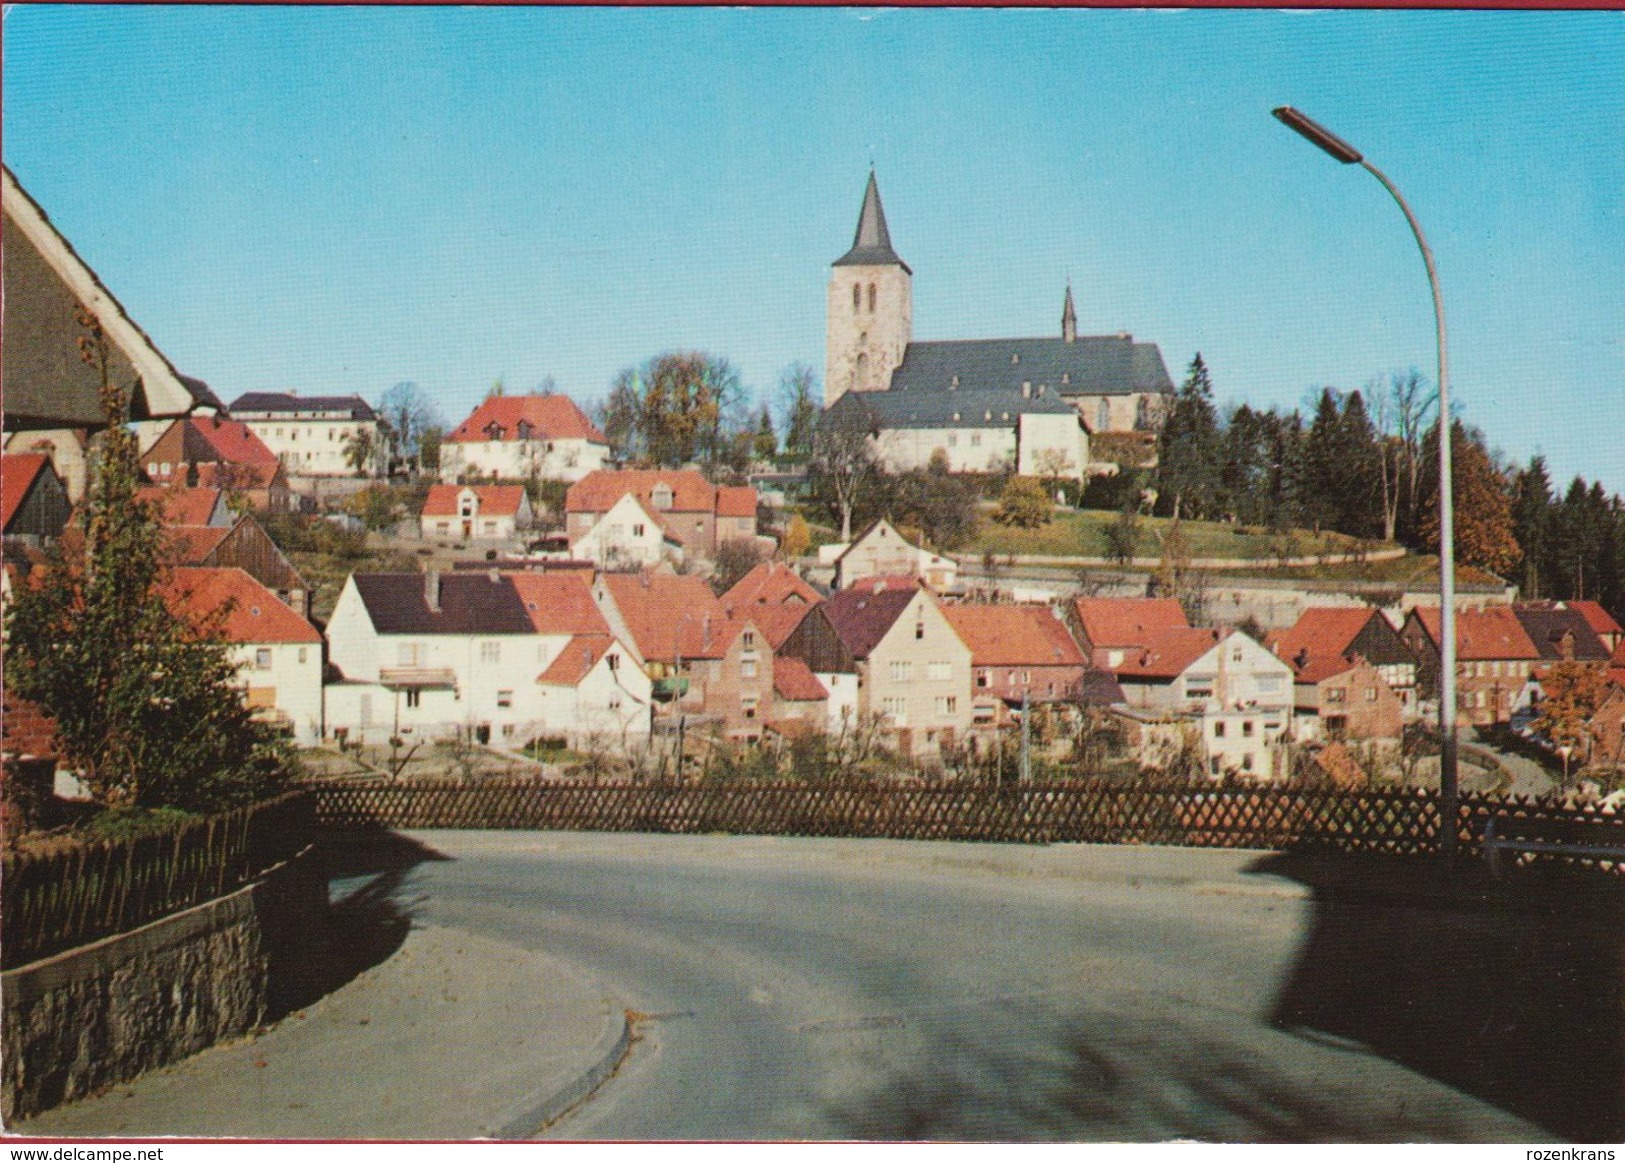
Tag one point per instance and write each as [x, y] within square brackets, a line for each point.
[1235, 694]
[519, 437]
[881, 551]
[313, 435]
[428, 656]
[278, 653]
[626, 537]
[476, 512]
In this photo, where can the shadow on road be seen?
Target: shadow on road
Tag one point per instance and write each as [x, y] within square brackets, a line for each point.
[1513, 993]
[367, 919]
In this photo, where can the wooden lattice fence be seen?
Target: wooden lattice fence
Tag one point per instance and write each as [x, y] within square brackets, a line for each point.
[1389, 822]
[56, 900]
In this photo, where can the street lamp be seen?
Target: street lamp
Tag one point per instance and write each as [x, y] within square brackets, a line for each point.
[1323, 139]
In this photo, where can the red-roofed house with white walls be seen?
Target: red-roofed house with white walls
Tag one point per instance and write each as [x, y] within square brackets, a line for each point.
[516, 437]
[278, 653]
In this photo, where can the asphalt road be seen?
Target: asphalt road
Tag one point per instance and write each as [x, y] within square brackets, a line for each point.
[890, 990]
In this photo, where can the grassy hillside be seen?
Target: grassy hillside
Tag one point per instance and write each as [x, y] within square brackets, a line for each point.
[1083, 534]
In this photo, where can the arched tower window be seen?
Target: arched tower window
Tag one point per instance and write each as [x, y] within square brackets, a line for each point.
[871, 298]
[857, 298]
[859, 371]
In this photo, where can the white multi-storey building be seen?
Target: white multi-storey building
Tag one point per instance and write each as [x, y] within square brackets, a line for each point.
[313, 435]
[479, 653]
[519, 437]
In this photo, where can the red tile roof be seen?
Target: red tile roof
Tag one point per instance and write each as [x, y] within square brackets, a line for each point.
[551, 417]
[1316, 647]
[494, 500]
[233, 440]
[1013, 636]
[736, 501]
[598, 491]
[576, 660]
[190, 544]
[670, 615]
[1127, 621]
[256, 615]
[560, 602]
[794, 682]
[771, 582]
[237, 474]
[776, 623]
[1599, 619]
[1169, 653]
[179, 505]
[18, 471]
[1492, 632]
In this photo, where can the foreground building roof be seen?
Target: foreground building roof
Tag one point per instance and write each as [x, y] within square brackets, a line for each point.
[1020, 635]
[253, 614]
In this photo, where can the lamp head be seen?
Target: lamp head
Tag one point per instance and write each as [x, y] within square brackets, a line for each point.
[1317, 135]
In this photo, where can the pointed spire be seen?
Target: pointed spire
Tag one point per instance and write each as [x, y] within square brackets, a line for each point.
[1069, 318]
[871, 246]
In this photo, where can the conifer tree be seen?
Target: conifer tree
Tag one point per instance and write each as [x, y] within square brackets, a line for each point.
[1188, 451]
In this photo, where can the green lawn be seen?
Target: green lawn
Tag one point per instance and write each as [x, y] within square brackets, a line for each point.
[1083, 534]
[1414, 570]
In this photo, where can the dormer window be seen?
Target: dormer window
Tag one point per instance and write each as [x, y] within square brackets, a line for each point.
[494, 430]
[524, 429]
[1026, 389]
[1015, 358]
[661, 496]
[954, 383]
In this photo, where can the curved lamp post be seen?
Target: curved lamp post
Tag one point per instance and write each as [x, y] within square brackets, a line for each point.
[1341, 150]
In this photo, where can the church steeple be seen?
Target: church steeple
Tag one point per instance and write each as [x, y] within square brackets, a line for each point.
[871, 246]
[1069, 318]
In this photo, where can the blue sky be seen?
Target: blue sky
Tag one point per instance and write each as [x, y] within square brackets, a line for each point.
[336, 199]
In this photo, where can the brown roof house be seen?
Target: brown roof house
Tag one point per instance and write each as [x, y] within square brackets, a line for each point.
[34, 506]
[214, 452]
[889, 658]
[1018, 652]
[1226, 697]
[1326, 649]
[1111, 630]
[1495, 659]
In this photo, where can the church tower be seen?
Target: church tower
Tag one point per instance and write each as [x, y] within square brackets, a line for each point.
[871, 308]
[1069, 318]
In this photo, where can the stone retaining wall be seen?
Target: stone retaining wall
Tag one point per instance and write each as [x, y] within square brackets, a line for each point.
[105, 1012]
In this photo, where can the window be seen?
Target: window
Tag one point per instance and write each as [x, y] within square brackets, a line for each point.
[900, 671]
[896, 708]
[1213, 764]
[919, 630]
[982, 679]
[749, 704]
[976, 440]
[614, 661]
[939, 671]
[748, 639]
[408, 654]
[414, 699]
[747, 669]
[1199, 686]
[1246, 728]
[504, 698]
[857, 298]
[637, 530]
[871, 298]
[507, 730]
[1336, 694]
[1247, 761]
[953, 439]
[947, 705]
[1218, 729]
[302, 655]
[1370, 694]
[490, 652]
[262, 658]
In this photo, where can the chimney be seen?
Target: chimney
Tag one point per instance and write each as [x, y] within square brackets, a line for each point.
[431, 589]
[706, 642]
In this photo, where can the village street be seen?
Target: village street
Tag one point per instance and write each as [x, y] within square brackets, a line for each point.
[892, 990]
